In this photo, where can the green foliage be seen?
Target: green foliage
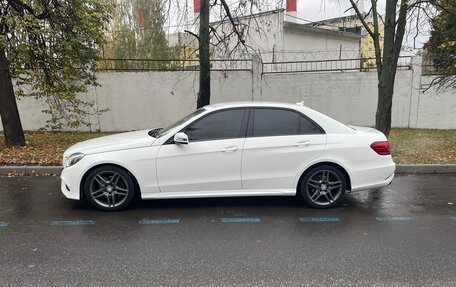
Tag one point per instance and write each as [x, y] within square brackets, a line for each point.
[443, 43]
[52, 49]
[138, 34]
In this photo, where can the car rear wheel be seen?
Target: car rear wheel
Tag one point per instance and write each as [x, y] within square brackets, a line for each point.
[323, 186]
[109, 188]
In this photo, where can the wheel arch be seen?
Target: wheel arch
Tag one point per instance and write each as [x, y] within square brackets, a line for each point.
[333, 164]
[86, 173]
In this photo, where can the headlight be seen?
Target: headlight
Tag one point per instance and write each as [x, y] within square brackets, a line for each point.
[74, 159]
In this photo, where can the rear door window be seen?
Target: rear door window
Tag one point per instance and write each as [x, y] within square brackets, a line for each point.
[274, 122]
[281, 122]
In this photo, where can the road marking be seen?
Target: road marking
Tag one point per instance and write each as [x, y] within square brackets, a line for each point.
[395, 218]
[3, 224]
[73, 222]
[319, 219]
[453, 218]
[241, 219]
[158, 221]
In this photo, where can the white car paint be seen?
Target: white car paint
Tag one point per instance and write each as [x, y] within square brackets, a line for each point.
[273, 162]
[200, 166]
[243, 166]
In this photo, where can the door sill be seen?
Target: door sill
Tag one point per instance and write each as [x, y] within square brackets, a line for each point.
[220, 193]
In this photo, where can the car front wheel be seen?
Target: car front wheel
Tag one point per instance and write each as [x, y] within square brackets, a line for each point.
[323, 186]
[109, 188]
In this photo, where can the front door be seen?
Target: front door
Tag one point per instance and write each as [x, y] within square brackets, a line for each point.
[212, 159]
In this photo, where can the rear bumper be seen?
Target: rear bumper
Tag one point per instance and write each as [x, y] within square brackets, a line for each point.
[373, 178]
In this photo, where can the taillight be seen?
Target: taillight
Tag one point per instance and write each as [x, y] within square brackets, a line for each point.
[382, 148]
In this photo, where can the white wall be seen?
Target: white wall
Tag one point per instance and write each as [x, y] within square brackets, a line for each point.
[348, 97]
[268, 32]
[433, 108]
[140, 100]
[296, 39]
[264, 32]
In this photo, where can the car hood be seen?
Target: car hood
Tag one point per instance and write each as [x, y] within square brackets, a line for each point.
[115, 142]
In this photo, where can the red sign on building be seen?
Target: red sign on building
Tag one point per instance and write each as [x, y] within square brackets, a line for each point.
[196, 6]
[291, 5]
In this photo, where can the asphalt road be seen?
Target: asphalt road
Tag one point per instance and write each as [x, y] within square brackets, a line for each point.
[402, 235]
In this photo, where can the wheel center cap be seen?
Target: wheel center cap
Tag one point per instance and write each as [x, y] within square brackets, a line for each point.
[109, 188]
[324, 187]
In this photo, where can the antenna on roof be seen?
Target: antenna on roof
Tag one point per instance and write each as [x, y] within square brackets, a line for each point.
[301, 103]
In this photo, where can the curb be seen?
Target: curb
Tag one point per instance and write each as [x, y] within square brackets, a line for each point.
[426, 169]
[400, 169]
[30, 170]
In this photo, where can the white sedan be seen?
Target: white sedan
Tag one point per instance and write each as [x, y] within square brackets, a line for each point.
[231, 149]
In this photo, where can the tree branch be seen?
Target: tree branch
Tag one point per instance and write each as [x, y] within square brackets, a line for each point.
[230, 17]
[400, 28]
[361, 18]
[376, 38]
[193, 34]
[17, 4]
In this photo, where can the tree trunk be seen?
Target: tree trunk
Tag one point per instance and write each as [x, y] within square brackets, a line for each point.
[12, 127]
[387, 73]
[385, 103]
[204, 93]
[393, 35]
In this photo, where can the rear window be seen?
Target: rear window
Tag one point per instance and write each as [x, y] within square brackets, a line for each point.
[281, 122]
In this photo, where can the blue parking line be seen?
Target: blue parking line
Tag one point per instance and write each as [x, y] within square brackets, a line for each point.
[319, 219]
[73, 222]
[241, 219]
[158, 221]
[395, 218]
[3, 224]
[453, 218]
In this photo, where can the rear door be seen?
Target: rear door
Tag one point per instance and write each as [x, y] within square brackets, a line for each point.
[279, 142]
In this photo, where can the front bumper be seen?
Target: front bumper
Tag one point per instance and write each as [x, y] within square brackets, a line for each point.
[70, 182]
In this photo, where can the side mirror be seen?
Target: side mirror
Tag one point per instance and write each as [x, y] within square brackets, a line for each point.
[181, 138]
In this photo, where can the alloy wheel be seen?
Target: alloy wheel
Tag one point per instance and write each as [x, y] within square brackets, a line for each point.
[324, 187]
[109, 189]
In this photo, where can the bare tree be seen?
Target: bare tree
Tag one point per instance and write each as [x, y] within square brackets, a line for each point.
[395, 21]
[225, 36]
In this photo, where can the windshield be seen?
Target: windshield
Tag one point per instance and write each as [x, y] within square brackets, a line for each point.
[164, 131]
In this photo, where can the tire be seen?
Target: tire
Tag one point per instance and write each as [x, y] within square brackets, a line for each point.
[109, 188]
[320, 192]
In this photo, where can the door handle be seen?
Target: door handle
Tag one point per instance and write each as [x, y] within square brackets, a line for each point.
[302, 143]
[230, 149]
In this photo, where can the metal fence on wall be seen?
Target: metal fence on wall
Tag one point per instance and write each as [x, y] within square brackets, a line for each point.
[337, 65]
[130, 65]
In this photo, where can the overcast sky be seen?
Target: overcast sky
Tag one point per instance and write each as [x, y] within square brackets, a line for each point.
[315, 10]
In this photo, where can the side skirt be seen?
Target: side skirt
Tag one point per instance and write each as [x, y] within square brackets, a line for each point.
[220, 193]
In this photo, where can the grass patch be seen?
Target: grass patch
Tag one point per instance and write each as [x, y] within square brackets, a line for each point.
[43, 148]
[423, 146]
[412, 146]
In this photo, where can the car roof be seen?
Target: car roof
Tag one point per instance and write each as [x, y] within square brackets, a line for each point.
[252, 104]
[329, 124]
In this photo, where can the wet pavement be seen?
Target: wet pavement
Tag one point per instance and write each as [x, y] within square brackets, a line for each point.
[402, 235]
